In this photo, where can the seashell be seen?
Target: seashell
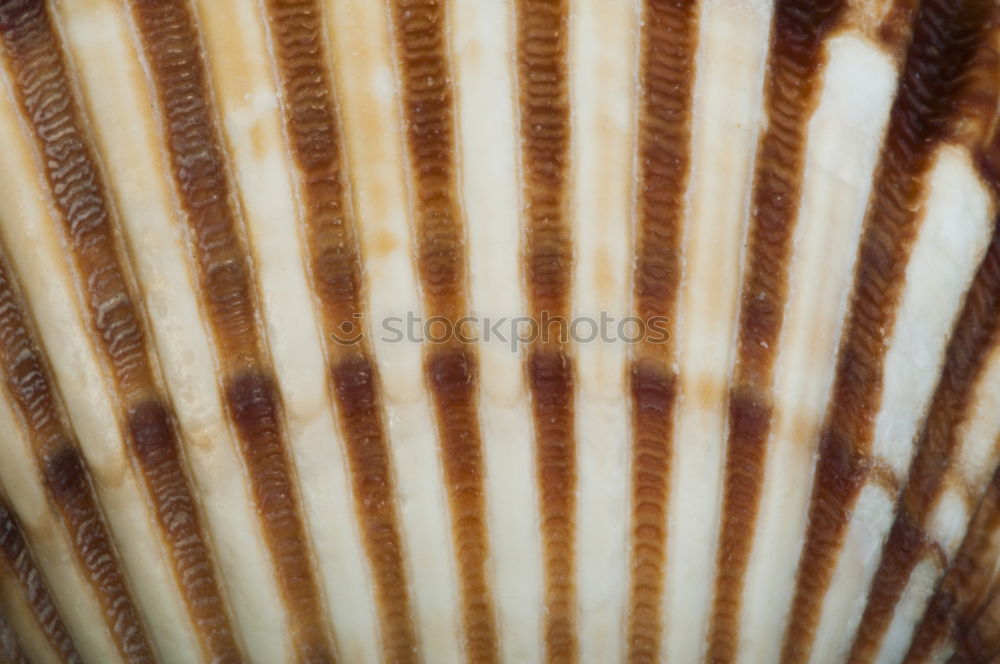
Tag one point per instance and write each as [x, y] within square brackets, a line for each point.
[499, 330]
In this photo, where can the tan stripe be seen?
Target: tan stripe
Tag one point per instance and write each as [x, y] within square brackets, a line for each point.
[791, 93]
[944, 41]
[451, 370]
[976, 333]
[669, 37]
[334, 260]
[45, 94]
[544, 120]
[16, 560]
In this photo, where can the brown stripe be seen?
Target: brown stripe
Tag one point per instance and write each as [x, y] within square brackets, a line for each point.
[171, 46]
[790, 95]
[335, 267]
[428, 108]
[962, 592]
[944, 40]
[70, 488]
[653, 392]
[669, 35]
[976, 334]
[550, 374]
[10, 649]
[16, 560]
[542, 27]
[356, 387]
[253, 403]
[451, 371]
[30, 389]
[44, 91]
[453, 378]
[906, 545]
[545, 131]
[228, 297]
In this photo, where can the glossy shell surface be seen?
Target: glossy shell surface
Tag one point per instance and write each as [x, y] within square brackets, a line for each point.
[499, 331]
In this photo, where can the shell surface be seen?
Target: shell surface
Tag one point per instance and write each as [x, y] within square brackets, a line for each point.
[499, 330]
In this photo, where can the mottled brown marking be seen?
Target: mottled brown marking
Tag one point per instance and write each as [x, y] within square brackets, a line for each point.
[44, 90]
[945, 37]
[880, 473]
[976, 334]
[542, 27]
[10, 648]
[668, 45]
[954, 605]
[964, 612]
[894, 29]
[420, 28]
[791, 91]
[17, 562]
[980, 641]
[312, 126]
[25, 373]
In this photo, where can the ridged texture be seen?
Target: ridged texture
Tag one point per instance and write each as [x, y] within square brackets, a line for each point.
[43, 89]
[29, 387]
[976, 335]
[943, 44]
[544, 121]
[226, 282]
[667, 61]
[789, 96]
[452, 369]
[22, 571]
[305, 232]
[960, 598]
[335, 267]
